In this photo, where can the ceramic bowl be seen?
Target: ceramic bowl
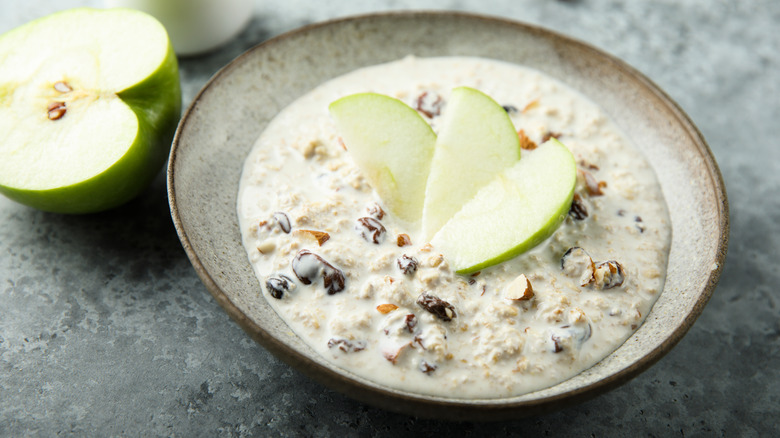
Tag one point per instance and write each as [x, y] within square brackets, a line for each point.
[227, 116]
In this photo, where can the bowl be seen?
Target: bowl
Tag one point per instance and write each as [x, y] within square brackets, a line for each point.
[227, 116]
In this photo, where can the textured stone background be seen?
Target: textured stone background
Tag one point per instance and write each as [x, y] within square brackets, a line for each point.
[105, 329]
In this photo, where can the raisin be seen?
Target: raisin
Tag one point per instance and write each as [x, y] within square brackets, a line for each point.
[371, 229]
[609, 274]
[426, 367]
[277, 286]
[438, 307]
[407, 265]
[577, 262]
[549, 134]
[411, 322]
[578, 210]
[639, 225]
[347, 346]
[403, 240]
[509, 108]
[428, 104]
[283, 220]
[375, 211]
[308, 266]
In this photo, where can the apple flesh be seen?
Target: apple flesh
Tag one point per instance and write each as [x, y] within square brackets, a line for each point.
[477, 140]
[519, 209]
[89, 103]
[391, 144]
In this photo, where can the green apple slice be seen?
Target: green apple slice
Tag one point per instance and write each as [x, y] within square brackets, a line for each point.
[89, 102]
[392, 145]
[519, 209]
[477, 140]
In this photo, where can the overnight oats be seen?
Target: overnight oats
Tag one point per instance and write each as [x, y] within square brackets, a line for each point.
[370, 293]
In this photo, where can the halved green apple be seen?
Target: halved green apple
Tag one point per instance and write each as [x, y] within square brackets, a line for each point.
[519, 209]
[89, 102]
[477, 140]
[392, 145]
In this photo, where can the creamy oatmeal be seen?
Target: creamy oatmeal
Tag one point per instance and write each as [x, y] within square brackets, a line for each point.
[363, 289]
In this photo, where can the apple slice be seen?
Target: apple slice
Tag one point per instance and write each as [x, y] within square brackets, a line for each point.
[519, 209]
[476, 141]
[392, 145]
[89, 102]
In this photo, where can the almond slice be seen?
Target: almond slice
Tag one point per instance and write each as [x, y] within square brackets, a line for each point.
[519, 289]
[386, 308]
[320, 236]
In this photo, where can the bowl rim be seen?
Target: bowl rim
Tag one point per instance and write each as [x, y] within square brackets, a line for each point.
[433, 406]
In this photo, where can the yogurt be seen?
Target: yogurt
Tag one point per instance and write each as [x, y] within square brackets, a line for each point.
[365, 291]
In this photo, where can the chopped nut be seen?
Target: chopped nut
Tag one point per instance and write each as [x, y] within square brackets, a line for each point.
[578, 210]
[407, 265]
[426, 248]
[549, 134]
[386, 308]
[308, 266]
[520, 289]
[341, 143]
[283, 221]
[525, 142]
[393, 356]
[371, 229]
[557, 344]
[531, 105]
[438, 307]
[577, 262]
[403, 240]
[267, 246]
[320, 236]
[609, 274]
[436, 260]
[593, 186]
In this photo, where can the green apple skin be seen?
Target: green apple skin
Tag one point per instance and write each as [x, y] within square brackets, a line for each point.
[476, 141]
[518, 210]
[156, 103]
[391, 144]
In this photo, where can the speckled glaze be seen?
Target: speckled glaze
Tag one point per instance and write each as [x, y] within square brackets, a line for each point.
[218, 130]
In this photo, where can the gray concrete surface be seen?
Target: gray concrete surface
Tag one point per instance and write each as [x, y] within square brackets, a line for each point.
[105, 330]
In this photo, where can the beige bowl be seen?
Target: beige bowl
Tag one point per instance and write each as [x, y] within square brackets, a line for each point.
[220, 127]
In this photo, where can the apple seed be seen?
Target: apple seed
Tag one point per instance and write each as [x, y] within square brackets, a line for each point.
[56, 110]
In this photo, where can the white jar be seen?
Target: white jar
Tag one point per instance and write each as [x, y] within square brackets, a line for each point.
[195, 26]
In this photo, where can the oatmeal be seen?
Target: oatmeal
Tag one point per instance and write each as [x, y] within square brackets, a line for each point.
[366, 291]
